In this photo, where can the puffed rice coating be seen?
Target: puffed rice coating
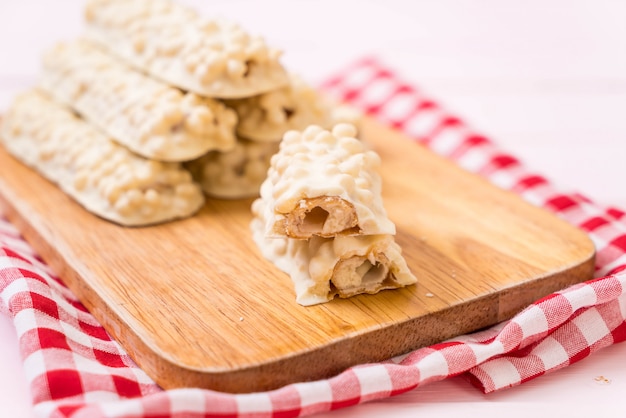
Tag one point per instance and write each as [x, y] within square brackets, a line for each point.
[234, 174]
[324, 183]
[266, 117]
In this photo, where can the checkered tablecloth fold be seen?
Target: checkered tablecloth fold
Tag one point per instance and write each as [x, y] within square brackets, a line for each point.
[76, 369]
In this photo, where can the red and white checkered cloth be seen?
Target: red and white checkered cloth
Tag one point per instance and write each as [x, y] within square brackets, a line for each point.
[75, 369]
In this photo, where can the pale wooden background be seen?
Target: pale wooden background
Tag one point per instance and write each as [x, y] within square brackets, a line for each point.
[545, 80]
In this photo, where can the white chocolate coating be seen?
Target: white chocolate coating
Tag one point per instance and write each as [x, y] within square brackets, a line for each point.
[331, 165]
[149, 117]
[104, 177]
[169, 41]
[343, 266]
[234, 174]
[268, 116]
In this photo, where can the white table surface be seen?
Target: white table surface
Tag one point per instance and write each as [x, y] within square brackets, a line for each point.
[545, 80]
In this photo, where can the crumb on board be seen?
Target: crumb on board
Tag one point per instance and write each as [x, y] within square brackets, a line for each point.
[601, 380]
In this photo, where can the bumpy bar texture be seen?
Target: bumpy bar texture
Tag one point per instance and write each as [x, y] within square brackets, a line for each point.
[343, 266]
[149, 117]
[104, 177]
[234, 174]
[268, 116]
[212, 58]
[324, 183]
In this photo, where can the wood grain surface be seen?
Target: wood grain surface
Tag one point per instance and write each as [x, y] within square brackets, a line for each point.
[195, 304]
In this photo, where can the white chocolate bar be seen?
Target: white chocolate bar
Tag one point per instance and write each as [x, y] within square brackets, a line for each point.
[268, 116]
[147, 116]
[324, 183]
[234, 174]
[169, 41]
[105, 178]
[343, 266]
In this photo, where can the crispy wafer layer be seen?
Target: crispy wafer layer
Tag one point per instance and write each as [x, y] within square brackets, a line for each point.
[104, 177]
[343, 266]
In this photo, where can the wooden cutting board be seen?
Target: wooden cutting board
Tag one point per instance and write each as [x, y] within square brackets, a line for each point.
[195, 304]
